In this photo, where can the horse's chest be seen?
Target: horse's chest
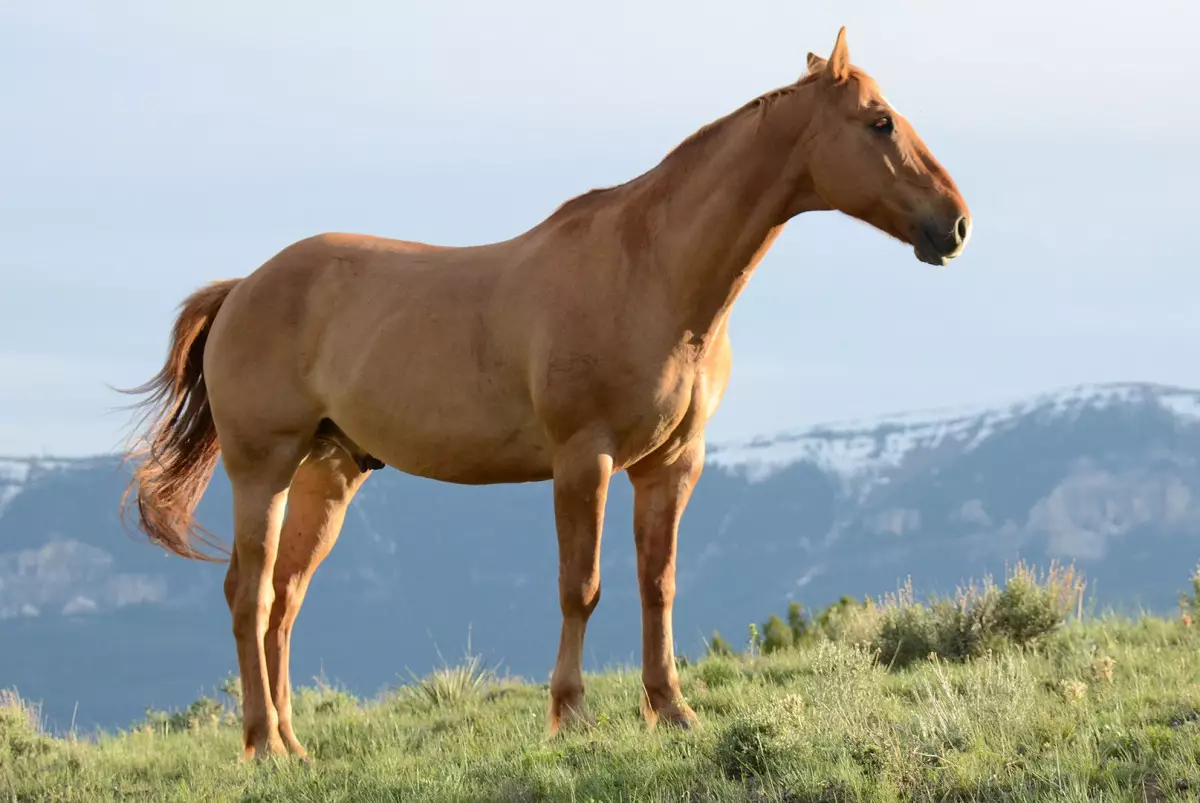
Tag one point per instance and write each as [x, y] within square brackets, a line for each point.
[671, 414]
[643, 405]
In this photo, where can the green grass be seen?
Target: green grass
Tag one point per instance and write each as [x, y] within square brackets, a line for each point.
[1103, 709]
[822, 722]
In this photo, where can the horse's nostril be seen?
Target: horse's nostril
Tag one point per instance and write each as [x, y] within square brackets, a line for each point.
[962, 228]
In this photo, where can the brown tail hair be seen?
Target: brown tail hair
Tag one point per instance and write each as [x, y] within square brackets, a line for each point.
[179, 449]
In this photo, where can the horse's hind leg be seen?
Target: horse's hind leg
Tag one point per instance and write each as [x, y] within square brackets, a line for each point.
[260, 474]
[322, 489]
[582, 471]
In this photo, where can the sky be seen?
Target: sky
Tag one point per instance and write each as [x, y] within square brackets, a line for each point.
[148, 148]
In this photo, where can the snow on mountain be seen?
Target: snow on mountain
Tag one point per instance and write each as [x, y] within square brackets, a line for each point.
[859, 451]
[862, 451]
[18, 473]
[1185, 404]
[13, 475]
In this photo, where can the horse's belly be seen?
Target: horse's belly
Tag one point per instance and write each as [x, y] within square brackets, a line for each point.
[460, 438]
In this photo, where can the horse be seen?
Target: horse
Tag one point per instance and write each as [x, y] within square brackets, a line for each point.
[593, 343]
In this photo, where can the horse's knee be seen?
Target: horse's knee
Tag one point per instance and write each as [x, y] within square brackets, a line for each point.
[579, 599]
[658, 590]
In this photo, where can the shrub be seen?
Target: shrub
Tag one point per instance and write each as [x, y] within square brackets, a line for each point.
[717, 671]
[846, 620]
[852, 622]
[952, 629]
[231, 689]
[323, 698]
[1030, 607]
[1189, 604]
[978, 618]
[776, 635]
[718, 646]
[798, 622]
[754, 642]
[752, 746]
[202, 713]
[21, 730]
[451, 685]
[907, 633]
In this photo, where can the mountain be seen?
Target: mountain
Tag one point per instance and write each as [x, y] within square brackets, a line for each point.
[97, 623]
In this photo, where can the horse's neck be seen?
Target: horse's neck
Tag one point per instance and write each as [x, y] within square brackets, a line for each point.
[718, 212]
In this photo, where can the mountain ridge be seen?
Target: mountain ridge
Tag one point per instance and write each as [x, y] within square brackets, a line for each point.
[1182, 400]
[951, 420]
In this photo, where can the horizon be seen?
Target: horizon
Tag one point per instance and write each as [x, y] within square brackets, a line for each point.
[911, 416]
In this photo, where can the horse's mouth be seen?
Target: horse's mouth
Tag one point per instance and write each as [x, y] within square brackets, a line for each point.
[931, 257]
[927, 252]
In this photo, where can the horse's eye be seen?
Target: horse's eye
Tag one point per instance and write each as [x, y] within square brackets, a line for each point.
[884, 125]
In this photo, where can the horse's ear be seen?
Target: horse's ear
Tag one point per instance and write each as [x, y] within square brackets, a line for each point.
[838, 65]
[816, 64]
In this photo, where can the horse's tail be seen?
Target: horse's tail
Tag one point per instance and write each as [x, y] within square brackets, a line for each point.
[179, 448]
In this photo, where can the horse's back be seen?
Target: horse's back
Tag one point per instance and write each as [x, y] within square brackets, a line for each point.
[401, 344]
[366, 243]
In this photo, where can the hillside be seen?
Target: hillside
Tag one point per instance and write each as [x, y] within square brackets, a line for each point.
[1105, 475]
[1102, 710]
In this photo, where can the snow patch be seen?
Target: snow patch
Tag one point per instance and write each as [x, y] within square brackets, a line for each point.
[862, 451]
[13, 476]
[1184, 405]
[18, 473]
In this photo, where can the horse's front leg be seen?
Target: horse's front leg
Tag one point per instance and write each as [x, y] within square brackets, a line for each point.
[661, 492]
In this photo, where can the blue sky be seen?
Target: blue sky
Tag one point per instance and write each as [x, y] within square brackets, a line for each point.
[150, 147]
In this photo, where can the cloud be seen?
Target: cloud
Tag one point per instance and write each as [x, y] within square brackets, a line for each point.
[79, 605]
[896, 521]
[972, 512]
[810, 575]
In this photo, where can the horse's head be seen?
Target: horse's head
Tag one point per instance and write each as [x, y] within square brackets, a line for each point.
[866, 160]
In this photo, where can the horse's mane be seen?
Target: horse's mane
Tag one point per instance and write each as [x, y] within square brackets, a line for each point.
[757, 105]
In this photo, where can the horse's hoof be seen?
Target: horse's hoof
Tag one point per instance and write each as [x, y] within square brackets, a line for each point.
[675, 714]
[264, 750]
[570, 714]
[298, 752]
[684, 718]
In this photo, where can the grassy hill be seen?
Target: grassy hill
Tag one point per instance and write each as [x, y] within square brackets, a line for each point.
[997, 694]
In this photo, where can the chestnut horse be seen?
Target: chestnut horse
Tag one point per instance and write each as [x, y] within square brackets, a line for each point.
[592, 343]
